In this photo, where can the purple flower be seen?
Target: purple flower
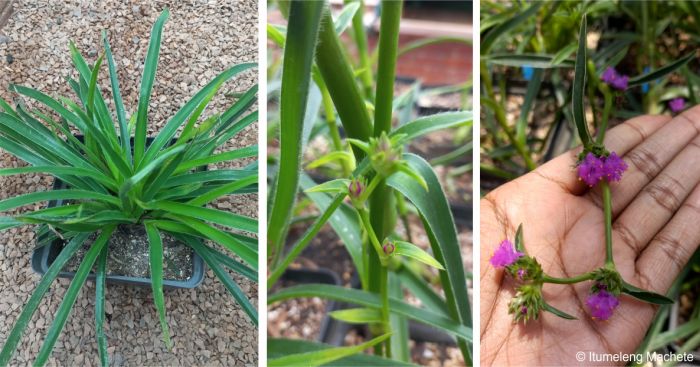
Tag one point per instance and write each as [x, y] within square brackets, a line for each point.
[505, 255]
[592, 168]
[614, 79]
[614, 167]
[602, 304]
[676, 105]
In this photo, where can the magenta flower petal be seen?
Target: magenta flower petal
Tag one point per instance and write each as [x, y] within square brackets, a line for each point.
[602, 304]
[614, 167]
[677, 105]
[591, 169]
[609, 75]
[612, 78]
[621, 82]
[505, 255]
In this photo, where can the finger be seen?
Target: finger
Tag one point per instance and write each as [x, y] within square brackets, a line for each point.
[621, 139]
[660, 263]
[647, 214]
[650, 157]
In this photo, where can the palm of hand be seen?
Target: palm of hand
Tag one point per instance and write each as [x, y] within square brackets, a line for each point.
[564, 230]
[565, 233]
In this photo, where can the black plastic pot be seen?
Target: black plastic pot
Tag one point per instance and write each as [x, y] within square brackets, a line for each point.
[45, 254]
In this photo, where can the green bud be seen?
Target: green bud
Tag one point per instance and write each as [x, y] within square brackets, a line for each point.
[527, 303]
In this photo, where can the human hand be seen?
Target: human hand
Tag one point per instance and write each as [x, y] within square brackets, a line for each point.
[656, 207]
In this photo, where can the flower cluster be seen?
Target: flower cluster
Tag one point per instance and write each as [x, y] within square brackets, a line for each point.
[505, 255]
[601, 302]
[615, 79]
[592, 169]
[676, 105]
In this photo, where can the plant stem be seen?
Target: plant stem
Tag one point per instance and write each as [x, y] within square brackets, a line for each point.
[607, 211]
[383, 214]
[501, 118]
[606, 113]
[576, 279]
[360, 37]
[310, 234]
[333, 127]
[384, 291]
[376, 180]
[364, 216]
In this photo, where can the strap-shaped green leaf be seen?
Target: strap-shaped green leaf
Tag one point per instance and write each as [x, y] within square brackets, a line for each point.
[100, 276]
[228, 219]
[124, 135]
[321, 357]
[358, 315]
[226, 189]
[155, 256]
[32, 304]
[224, 277]
[537, 61]
[233, 244]
[55, 195]
[170, 128]
[408, 249]
[491, 36]
[71, 295]
[208, 176]
[250, 151]
[662, 71]
[428, 124]
[367, 299]
[439, 224]
[281, 347]
[149, 76]
[63, 170]
[579, 88]
[646, 296]
[304, 22]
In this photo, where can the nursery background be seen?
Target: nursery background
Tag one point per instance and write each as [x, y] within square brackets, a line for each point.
[199, 41]
[642, 60]
[432, 77]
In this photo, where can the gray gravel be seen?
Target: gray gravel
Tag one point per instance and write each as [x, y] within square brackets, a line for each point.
[201, 39]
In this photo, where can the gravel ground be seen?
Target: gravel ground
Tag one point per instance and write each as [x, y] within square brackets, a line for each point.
[200, 40]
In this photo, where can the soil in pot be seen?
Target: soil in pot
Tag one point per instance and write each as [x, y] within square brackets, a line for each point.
[129, 255]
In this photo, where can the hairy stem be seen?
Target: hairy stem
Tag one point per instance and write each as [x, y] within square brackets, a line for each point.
[572, 280]
[607, 210]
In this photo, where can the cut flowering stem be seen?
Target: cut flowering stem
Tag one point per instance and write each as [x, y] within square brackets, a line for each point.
[607, 213]
[572, 280]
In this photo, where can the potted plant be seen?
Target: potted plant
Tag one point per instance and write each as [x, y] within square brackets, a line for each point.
[371, 179]
[119, 191]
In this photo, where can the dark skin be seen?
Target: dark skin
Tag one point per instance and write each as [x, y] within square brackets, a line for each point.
[656, 208]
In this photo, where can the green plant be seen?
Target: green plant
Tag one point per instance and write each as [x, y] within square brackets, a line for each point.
[374, 183]
[112, 183]
[538, 39]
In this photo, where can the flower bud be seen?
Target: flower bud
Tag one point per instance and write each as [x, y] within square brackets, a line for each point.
[355, 190]
[527, 303]
[388, 247]
[384, 157]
